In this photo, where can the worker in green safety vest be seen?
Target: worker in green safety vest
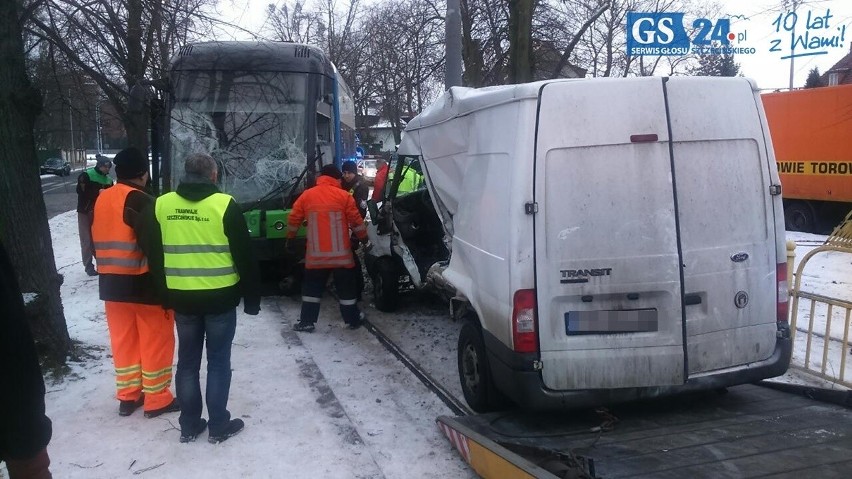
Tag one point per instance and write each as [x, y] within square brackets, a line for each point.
[89, 186]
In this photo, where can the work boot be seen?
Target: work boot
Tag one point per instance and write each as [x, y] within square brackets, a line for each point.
[126, 408]
[189, 436]
[232, 429]
[304, 326]
[173, 406]
[357, 324]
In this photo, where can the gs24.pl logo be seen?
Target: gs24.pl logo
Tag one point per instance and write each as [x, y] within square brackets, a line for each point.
[665, 34]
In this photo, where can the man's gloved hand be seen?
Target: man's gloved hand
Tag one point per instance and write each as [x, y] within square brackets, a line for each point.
[251, 310]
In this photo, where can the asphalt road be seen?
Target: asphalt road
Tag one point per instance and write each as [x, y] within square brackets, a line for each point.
[59, 193]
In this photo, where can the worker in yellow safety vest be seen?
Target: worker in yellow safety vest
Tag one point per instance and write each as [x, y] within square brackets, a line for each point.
[201, 248]
[411, 179]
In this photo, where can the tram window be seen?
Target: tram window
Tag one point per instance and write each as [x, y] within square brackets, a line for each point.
[323, 128]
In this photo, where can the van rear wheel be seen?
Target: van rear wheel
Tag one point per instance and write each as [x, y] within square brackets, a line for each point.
[385, 285]
[475, 375]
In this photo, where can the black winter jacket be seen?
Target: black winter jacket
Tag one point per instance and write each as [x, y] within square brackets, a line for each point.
[360, 191]
[87, 192]
[24, 428]
[212, 301]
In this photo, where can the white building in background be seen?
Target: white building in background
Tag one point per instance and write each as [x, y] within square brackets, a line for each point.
[381, 134]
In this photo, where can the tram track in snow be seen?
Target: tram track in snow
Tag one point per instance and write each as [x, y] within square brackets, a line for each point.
[455, 405]
[458, 407]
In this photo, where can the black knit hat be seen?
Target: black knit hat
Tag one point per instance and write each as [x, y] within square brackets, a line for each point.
[130, 163]
[350, 166]
[332, 171]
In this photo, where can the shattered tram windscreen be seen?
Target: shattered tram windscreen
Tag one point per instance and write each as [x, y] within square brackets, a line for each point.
[252, 123]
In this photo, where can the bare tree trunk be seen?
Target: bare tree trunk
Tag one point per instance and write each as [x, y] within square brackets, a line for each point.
[471, 51]
[520, 40]
[23, 220]
[135, 121]
[453, 45]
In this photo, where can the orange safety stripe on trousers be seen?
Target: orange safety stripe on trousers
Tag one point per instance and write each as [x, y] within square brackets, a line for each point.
[143, 334]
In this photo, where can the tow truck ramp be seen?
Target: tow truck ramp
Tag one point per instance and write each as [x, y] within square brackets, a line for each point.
[742, 432]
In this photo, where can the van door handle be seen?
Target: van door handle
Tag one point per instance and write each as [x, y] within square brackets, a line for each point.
[691, 299]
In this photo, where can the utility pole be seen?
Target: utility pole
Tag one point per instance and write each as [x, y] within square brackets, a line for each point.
[92, 88]
[453, 52]
[71, 122]
[98, 139]
[795, 4]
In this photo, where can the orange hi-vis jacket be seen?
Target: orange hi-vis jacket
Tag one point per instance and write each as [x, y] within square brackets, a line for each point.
[116, 247]
[330, 212]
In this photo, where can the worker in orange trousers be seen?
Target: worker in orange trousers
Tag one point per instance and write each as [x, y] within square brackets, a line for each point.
[141, 330]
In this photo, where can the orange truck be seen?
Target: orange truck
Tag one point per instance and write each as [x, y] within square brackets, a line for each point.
[811, 131]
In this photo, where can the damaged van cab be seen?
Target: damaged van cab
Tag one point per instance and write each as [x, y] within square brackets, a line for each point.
[606, 239]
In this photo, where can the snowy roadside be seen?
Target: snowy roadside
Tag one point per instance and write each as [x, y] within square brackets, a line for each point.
[330, 404]
[827, 274]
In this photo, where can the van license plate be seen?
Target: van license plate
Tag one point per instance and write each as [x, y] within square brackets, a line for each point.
[610, 322]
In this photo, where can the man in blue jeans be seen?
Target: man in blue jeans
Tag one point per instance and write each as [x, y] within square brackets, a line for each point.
[200, 248]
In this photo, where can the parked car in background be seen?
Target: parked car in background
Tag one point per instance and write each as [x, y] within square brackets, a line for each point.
[56, 166]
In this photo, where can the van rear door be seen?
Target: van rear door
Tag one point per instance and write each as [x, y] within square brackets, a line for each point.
[607, 261]
[726, 222]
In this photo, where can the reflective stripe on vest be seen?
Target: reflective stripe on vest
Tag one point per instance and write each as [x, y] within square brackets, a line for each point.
[196, 252]
[335, 235]
[335, 253]
[116, 247]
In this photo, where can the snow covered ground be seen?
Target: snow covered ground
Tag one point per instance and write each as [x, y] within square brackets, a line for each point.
[827, 274]
[330, 404]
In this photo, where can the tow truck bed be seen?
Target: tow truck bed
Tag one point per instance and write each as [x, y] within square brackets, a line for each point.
[747, 431]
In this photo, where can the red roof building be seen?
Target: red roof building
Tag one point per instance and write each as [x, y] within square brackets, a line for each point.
[840, 73]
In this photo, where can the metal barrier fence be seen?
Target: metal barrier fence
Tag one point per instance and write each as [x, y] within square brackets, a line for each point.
[825, 349]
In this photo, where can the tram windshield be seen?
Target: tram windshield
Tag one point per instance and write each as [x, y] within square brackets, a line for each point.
[254, 124]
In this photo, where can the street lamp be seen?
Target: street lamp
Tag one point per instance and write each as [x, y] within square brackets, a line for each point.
[99, 145]
[98, 138]
[71, 122]
[795, 5]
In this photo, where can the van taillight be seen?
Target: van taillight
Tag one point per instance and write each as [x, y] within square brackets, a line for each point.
[524, 338]
[782, 293]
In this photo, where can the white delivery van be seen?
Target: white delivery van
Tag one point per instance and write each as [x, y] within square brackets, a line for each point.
[610, 239]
